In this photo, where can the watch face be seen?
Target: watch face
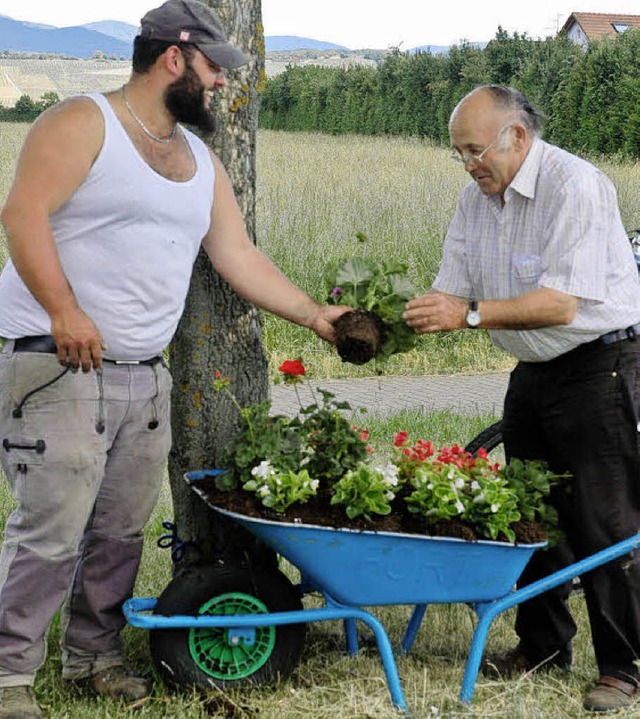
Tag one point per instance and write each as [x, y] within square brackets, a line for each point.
[473, 318]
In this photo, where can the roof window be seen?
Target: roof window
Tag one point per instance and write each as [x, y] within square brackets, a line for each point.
[620, 27]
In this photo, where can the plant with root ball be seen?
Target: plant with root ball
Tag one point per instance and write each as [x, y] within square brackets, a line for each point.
[378, 291]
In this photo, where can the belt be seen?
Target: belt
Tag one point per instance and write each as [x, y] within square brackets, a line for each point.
[629, 333]
[46, 344]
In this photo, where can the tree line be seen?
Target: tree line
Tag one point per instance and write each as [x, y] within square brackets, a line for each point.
[26, 109]
[591, 98]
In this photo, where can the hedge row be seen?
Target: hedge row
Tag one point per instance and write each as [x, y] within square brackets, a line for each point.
[591, 98]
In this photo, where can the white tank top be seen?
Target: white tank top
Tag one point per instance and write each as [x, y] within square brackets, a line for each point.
[127, 240]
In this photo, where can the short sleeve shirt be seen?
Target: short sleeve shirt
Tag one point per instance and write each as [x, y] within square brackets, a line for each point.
[559, 228]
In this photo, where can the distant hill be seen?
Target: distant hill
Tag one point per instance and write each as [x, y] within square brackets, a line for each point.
[80, 41]
[113, 39]
[287, 43]
[120, 30]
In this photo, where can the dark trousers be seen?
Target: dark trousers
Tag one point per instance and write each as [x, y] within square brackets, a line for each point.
[579, 412]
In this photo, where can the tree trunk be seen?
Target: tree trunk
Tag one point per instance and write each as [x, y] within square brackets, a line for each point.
[219, 330]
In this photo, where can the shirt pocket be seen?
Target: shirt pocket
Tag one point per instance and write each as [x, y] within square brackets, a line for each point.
[526, 270]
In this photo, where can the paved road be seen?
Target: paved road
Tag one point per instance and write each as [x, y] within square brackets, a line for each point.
[462, 393]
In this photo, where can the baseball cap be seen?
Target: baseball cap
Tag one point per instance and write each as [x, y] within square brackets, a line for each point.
[192, 22]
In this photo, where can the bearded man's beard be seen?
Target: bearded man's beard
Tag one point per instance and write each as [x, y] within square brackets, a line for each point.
[185, 100]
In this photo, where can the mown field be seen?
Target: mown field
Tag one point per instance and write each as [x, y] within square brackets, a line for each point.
[314, 194]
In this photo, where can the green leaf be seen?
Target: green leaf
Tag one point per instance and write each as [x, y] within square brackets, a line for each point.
[355, 271]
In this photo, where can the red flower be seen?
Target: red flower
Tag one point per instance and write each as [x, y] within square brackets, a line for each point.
[400, 439]
[364, 435]
[293, 368]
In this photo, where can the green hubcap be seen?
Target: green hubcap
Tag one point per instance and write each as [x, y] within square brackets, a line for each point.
[211, 648]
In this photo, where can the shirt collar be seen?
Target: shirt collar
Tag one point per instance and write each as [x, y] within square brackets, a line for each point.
[524, 183]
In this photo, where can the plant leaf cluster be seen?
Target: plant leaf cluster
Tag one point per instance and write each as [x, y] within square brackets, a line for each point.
[378, 286]
[320, 440]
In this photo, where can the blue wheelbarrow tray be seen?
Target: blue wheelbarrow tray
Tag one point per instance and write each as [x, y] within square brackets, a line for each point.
[355, 569]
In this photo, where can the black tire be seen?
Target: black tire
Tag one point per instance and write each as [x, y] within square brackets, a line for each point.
[202, 657]
[488, 439]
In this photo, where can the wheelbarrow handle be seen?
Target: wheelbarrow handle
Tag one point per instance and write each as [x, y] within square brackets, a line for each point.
[488, 611]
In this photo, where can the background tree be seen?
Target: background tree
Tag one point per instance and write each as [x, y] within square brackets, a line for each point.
[219, 330]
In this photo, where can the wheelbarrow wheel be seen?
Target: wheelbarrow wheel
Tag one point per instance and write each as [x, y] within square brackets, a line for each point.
[489, 438]
[207, 656]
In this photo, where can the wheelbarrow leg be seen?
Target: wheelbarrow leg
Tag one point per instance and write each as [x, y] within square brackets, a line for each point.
[412, 628]
[487, 612]
[386, 655]
[351, 635]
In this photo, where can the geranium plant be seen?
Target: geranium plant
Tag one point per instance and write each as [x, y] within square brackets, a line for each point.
[378, 291]
[452, 483]
[320, 440]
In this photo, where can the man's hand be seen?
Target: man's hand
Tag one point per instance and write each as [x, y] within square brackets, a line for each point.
[326, 315]
[79, 342]
[436, 312]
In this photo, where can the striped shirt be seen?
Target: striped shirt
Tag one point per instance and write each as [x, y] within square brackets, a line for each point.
[559, 228]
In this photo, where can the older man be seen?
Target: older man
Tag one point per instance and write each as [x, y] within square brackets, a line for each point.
[112, 200]
[537, 254]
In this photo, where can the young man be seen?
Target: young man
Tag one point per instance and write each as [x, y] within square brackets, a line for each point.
[111, 202]
[537, 254]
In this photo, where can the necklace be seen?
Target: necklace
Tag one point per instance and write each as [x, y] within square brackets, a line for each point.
[147, 132]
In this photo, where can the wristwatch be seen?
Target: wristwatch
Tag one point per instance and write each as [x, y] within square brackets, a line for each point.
[473, 316]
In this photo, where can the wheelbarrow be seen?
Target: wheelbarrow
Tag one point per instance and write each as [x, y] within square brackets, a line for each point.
[220, 626]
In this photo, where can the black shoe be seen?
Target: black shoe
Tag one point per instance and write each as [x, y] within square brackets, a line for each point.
[515, 662]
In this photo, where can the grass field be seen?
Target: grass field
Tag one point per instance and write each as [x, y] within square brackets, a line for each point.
[314, 194]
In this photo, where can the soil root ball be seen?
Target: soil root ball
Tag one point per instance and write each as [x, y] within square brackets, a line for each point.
[359, 336]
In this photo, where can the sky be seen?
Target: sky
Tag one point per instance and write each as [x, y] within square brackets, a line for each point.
[355, 24]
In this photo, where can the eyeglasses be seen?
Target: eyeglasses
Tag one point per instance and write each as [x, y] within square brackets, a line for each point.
[477, 159]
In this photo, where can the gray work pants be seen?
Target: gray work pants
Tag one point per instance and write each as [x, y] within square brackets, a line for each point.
[84, 455]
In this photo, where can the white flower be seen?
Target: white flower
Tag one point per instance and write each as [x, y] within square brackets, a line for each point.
[494, 508]
[459, 483]
[451, 473]
[278, 481]
[263, 470]
[264, 490]
[430, 485]
[459, 506]
[305, 460]
[390, 475]
[475, 486]
[315, 483]
[389, 495]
